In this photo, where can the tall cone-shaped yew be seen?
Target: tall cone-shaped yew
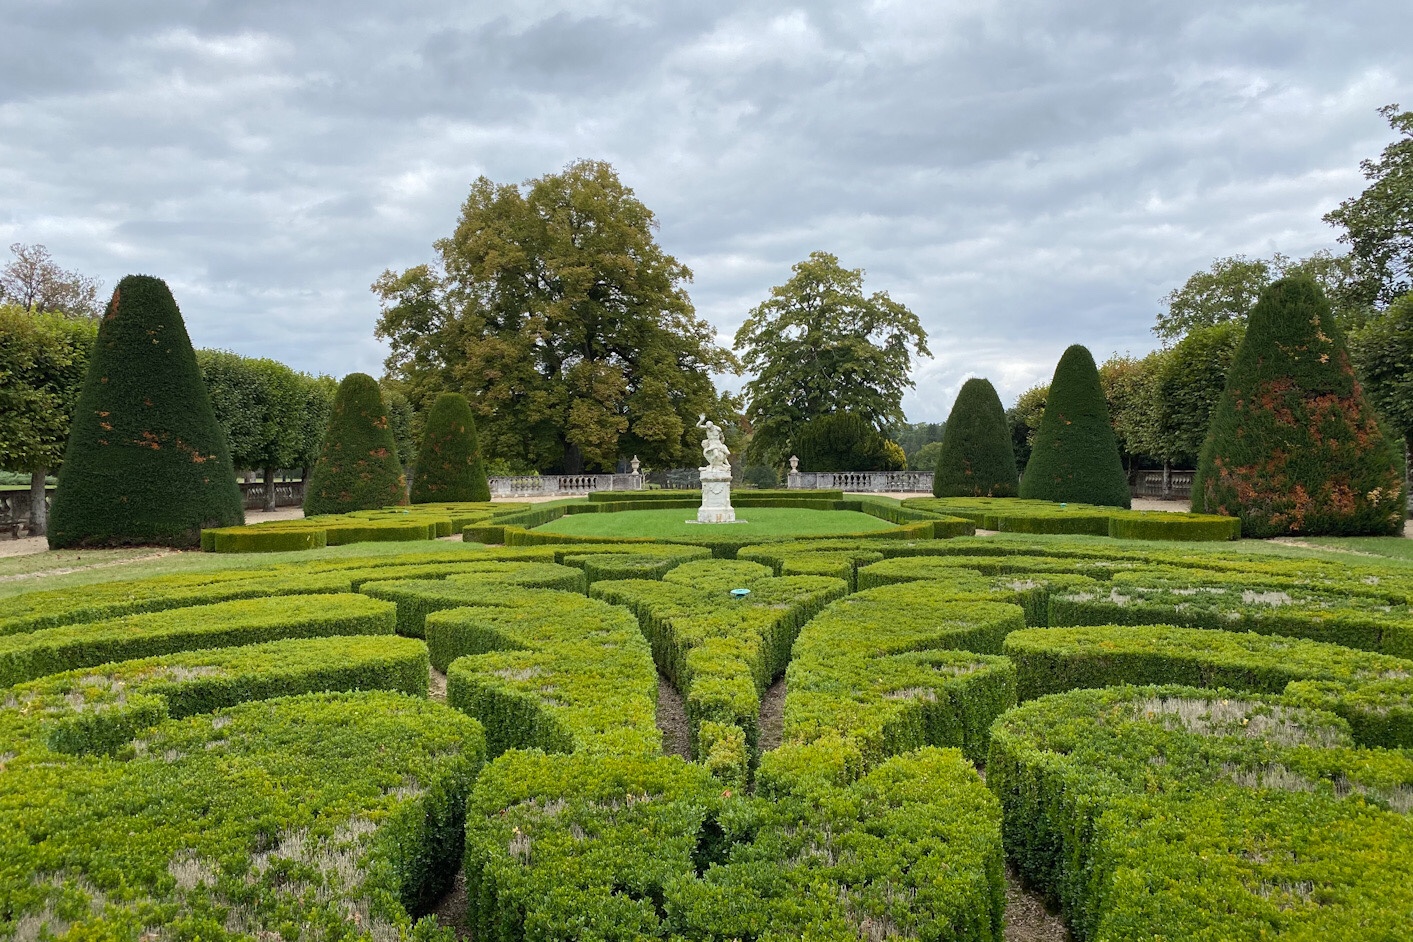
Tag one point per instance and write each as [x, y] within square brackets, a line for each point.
[449, 465]
[1294, 446]
[1076, 456]
[146, 463]
[357, 467]
[976, 459]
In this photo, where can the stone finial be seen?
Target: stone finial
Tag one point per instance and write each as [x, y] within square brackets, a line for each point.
[794, 464]
[634, 464]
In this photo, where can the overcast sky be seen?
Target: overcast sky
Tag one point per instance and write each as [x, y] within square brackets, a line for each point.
[1023, 175]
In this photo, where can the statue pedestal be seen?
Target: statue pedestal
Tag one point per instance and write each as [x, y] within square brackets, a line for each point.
[716, 497]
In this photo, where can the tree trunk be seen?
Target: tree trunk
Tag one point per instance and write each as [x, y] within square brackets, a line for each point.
[573, 459]
[1167, 479]
[38, 510]
[269, 489]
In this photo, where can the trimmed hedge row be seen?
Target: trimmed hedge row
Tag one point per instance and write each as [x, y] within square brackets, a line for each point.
[1029, 590]
[224, 624]
[613, 847]
[695, 496]
[416, 598]
[723, 546]
[98, 710]
[340, 814]
[884, 672]
[552, 671]
[389, 524]
[1162, 525]
[1137, 598]
[1202, 815]
[721, 652]
[1055, 660]
[1015, 515]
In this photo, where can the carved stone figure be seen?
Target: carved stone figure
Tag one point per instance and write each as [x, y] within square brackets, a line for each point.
[715, 450]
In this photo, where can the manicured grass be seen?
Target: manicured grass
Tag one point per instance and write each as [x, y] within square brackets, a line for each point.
[766, 523]
[1394, 547]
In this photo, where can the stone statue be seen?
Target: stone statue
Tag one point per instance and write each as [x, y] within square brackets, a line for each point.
[717, 455]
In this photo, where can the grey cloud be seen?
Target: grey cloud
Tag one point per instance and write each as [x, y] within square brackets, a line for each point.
[1024, 175]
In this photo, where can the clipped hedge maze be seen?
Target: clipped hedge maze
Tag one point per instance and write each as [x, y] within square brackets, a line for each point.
[1177, 744]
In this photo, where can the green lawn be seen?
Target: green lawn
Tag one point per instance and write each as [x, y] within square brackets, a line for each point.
[765, 523]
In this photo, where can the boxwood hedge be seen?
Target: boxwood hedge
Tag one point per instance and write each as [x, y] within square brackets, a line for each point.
[1330, 676]
[1198, 814]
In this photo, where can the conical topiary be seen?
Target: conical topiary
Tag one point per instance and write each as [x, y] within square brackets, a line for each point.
[357, 467]
[1294, 447]
[449, 466]
[146, 462]
[1076, 457]
[976, 458]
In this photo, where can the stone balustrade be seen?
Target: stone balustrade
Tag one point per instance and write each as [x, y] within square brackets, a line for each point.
[287, 494]
[560, 485]
[864, 482]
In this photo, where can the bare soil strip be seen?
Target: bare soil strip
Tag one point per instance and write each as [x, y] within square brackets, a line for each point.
[772, 716]
[451, 912]
[1027, 919]
[672, 720]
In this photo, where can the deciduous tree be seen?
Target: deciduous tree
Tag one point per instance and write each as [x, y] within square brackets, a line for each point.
[34, 281]
[569, 328]
[1382, 352]
[1024, 419]
[43, 358]
[261, 405]
[818, 346]
[1378, 223]
[1226, 292]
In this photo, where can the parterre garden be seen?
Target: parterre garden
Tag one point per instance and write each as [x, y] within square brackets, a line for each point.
[1178, 740]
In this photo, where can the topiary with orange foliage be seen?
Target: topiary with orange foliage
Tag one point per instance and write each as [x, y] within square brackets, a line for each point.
[1294, 447]
[357, 467]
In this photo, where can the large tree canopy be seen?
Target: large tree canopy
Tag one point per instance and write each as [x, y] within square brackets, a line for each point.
[1378, 223]
[819, 346]
[1383, 358]
[1227, 291]
[563, 321]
